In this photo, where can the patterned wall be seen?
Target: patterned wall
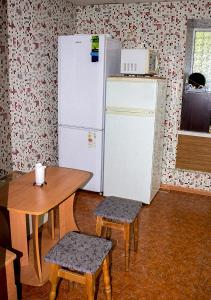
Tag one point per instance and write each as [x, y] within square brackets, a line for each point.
[33, 27]
[160, 26]
[5, 145]
[33, 30]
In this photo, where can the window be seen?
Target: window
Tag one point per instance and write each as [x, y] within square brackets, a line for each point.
[196, 103]
[201, 56]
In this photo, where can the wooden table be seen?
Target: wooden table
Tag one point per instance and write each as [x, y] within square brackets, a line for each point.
[24, 199]
[7, 279]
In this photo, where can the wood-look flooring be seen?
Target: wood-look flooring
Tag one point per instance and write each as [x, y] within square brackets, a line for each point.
[173, 258]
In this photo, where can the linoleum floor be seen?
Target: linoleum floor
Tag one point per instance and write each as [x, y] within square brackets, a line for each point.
[173, 261]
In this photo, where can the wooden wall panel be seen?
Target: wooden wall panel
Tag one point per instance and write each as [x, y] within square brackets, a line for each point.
[194, 153]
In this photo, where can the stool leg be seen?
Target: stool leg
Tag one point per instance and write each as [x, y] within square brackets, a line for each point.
[106, 277]
[99, 226]
[108, 233]
[127, 244]
[90, 286]
[135, 230]
[53, 278]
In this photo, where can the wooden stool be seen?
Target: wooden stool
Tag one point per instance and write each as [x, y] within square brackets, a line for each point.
[121, 214]
[80, 258]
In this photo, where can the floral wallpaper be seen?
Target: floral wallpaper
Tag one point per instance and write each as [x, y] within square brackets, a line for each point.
[28, 68]
[5, 130]
[33, 28]
[160, 26]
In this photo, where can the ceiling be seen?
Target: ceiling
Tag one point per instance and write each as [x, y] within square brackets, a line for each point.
[91, 2]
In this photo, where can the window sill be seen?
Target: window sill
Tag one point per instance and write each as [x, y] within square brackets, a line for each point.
[194, 133]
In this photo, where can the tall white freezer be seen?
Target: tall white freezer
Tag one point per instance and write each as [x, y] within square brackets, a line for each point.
[81, 101]
[133, 137]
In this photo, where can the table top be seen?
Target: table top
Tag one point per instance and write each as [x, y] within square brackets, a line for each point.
[22, 196]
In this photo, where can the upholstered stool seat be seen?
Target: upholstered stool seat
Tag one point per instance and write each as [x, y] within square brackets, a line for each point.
[77, 252]
[119, 209]
[119, 213]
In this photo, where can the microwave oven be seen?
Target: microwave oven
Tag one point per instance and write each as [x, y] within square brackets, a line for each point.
[139, 61]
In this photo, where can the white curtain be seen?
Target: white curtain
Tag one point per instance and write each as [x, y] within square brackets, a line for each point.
[202, 55]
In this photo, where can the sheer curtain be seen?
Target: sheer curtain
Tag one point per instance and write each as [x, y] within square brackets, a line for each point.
[202, 55]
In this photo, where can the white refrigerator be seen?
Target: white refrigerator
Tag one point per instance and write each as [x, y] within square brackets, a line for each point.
[83, 66]
[133, 137]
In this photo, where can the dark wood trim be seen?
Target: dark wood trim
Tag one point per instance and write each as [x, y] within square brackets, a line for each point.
[194, 153]
[168, 187]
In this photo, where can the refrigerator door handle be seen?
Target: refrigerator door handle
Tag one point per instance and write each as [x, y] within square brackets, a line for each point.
[129, 111]
[80, 128]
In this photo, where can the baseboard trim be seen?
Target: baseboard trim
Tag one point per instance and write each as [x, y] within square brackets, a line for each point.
[168, 187]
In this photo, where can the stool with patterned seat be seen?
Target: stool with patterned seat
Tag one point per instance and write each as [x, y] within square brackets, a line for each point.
[122, 214]
[80, 258]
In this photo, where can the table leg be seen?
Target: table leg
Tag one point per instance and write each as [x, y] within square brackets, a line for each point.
[19, 235]
[66, 216]
[51, 223]
[37, 259]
